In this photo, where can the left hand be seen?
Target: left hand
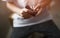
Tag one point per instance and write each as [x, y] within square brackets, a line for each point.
[38, 9]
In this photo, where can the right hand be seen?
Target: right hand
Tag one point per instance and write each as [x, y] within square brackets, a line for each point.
[25, 13]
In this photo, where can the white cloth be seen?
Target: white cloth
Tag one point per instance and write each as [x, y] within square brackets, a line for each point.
[18, 21]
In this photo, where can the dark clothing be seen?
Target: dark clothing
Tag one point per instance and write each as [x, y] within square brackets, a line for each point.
[48, 28]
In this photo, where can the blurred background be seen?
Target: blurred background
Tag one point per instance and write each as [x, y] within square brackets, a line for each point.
[5, 28]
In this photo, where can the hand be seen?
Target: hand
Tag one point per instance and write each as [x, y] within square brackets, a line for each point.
[38, 9]
[32, 12]
[25, 13]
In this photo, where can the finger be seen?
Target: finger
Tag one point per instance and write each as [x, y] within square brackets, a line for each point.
[37, 6]
[37, 9]
[26, 16]
[28, 7]
[39, 12]
[21, 14]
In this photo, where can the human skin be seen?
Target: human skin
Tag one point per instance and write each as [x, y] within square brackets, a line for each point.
[37, 9]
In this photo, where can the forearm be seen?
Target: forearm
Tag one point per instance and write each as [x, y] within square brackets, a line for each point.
[45, 3]
[13, 8]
